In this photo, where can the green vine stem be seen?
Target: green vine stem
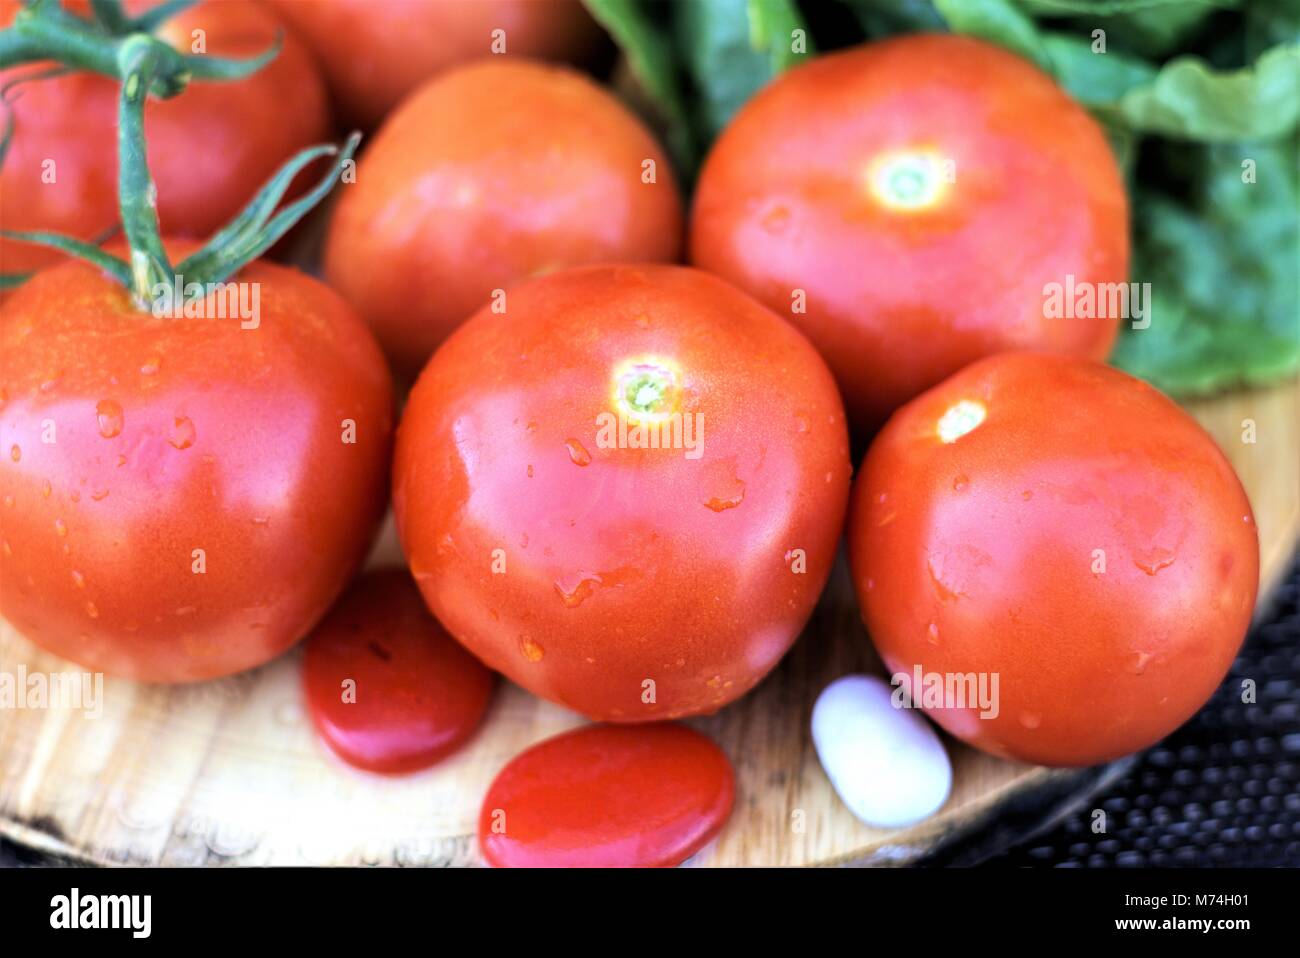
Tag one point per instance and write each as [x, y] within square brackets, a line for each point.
[43, 30]
[148, 67]
[139, 61]
[245, 238]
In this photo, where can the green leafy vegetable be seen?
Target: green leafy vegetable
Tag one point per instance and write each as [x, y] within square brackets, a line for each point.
[997, 21]
[1223, 269]
[881, 18]
[648, 48]
[1189, 100]
[732, 48]
[1147, 28]
[1093, 78]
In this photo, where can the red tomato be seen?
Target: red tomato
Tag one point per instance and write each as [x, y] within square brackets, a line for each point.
[137, 451]
[607, 796]
[494, 173]
[921, 193]
[416, 694]
[1064, 526]
[210, 148]
[374, 52]
[628, 583]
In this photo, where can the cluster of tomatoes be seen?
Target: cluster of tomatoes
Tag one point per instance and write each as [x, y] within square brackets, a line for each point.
[619, 481]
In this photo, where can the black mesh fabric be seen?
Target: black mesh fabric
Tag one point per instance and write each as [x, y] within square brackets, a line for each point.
[1222, 790]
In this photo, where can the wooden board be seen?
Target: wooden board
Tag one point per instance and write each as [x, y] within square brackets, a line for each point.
[230, 771]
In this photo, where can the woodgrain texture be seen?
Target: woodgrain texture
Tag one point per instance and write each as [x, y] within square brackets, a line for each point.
[230, 771]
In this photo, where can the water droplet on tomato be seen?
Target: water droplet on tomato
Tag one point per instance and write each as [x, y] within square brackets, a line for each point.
[182, 436]
[91, 610]
[151, 365]
[15, 453]
[46, 489]
[78, 579]
[932, 633]
[1141, 662]
[1153, 560]
[99, 495]
[960, 483]
[60, 527]
[108, 412]
[728, 501]
[532, 651]
[9, 502]
[725, 490]
[1030, 721]
[577, 452]
[801, 423]
[573, 589]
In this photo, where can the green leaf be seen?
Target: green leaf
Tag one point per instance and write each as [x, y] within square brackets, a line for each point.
[1189, 100]
[731, 49]
[772, 26]
[997, 21]
[1094, 79]
[1110, 8]
[648, 47]
[1223, 271]
[1149, 28]
[1270, 23]
[884, 18]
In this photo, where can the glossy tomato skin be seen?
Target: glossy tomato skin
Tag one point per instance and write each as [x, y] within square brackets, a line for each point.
[132, 441]
[487, 176]
[583, 568]
[375, 52]
[210, 148]
[417, 694]
[1086, 541]
[608, 796]
[903, 289]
